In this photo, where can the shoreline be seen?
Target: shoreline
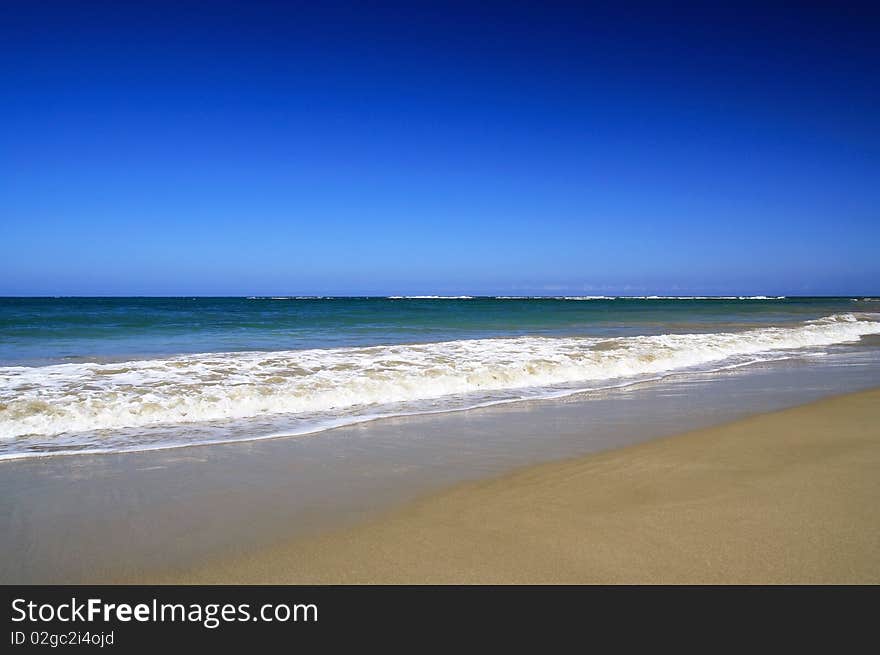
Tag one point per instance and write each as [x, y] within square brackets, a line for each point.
[563, 395]
[139, 516]
[783, 497]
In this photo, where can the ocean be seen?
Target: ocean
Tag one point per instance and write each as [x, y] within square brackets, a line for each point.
[93, 375]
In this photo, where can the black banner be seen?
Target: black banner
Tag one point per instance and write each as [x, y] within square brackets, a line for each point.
[138, 618]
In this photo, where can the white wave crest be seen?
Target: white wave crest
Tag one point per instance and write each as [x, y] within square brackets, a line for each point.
[588, 297]
[69, 398]
[430, 297]
[703, 297]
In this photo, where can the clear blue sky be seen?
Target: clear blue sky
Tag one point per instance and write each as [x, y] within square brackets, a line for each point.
[286, 148]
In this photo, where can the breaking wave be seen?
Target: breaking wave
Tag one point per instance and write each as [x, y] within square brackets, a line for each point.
[330, 386]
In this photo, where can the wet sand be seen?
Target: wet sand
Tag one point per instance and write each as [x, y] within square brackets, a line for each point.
[784, 497]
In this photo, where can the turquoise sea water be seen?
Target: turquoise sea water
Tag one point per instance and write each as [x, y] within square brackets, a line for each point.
[99, 374]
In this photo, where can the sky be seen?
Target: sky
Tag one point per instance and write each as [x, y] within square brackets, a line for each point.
[249, 148]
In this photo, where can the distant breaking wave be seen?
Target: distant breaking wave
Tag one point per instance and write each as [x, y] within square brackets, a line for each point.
[590, 297]
[597, 297]
[671, 297]
[328, 385]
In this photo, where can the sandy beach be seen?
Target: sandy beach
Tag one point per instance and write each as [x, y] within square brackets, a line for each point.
[784, 497]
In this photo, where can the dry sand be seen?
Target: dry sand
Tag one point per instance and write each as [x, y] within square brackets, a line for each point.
[787, 497]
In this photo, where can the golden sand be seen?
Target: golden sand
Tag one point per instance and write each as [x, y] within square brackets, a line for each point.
[787, 497]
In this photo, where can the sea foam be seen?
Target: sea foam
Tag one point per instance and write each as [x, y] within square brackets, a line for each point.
[190, 389]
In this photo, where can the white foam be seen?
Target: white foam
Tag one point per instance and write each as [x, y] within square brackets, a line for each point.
[76, 397]
[703, 297]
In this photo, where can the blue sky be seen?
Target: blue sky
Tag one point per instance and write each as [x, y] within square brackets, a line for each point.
[282, 148]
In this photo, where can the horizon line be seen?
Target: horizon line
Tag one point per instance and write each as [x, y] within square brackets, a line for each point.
[689, 296]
